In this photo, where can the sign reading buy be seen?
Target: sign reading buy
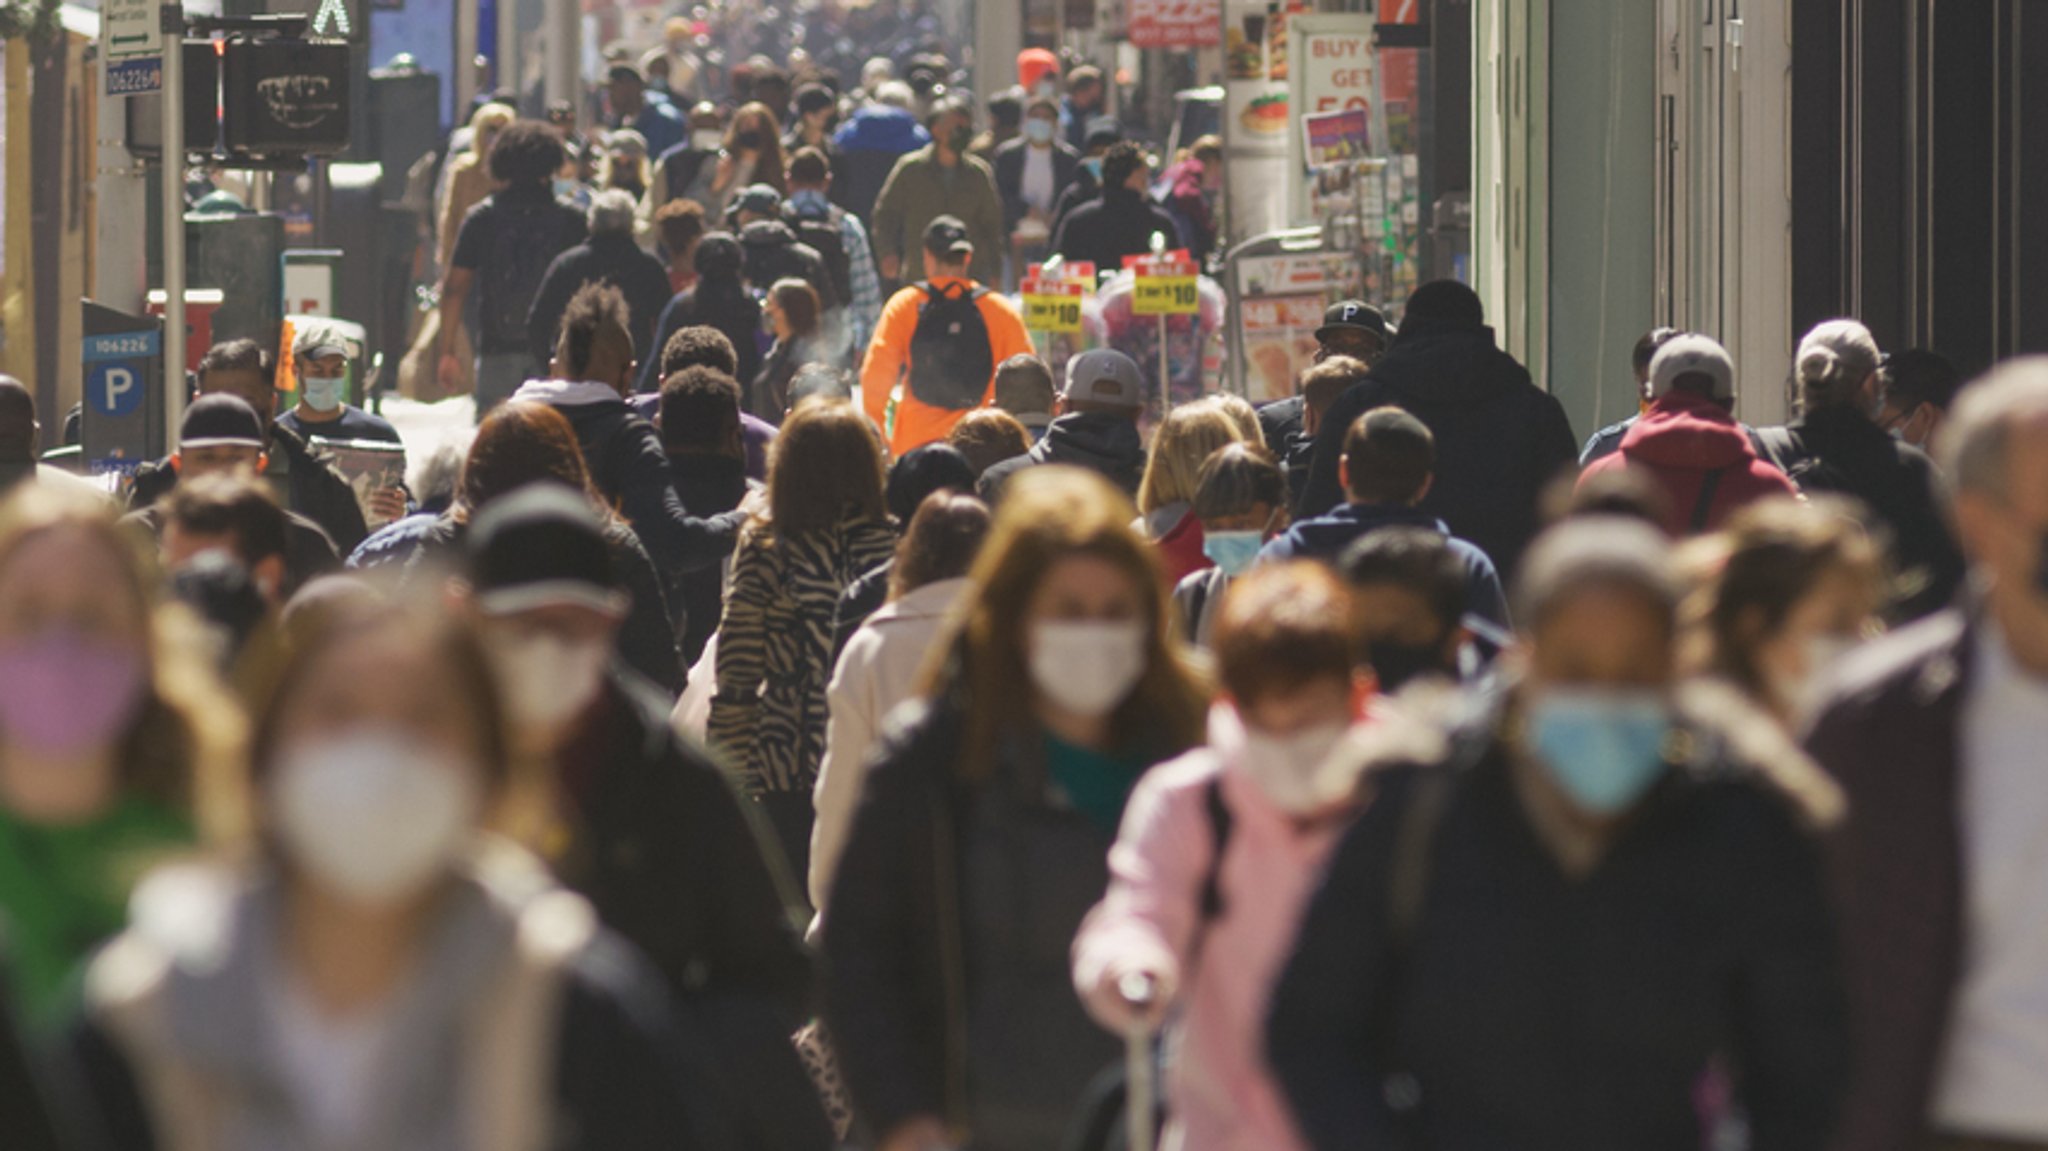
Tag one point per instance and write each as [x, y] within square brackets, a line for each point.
[1165, 285]
[1175, 23]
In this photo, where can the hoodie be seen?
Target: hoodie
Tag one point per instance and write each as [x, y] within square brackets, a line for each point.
[1327, 537]
[1101, 443]
[1500, 439]
[867, 148]
[1700, 457]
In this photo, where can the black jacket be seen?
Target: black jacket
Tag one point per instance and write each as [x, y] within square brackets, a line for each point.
[662, 847]
[1086, 189]
[1119, 224]
[312, 487]
[774, 253]
[1547, 1014]
[726, 307]
[1840, 450]
[1009, 168]
[1100, 443]
[611, 259]
[946, 941]
[709, 485]
[308, 553]
[1499, 438]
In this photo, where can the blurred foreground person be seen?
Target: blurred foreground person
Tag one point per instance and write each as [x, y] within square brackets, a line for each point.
[1408, 591]
[1661, 898]
[982, 837]
[1793, 590]
[825, 524]
[108, 721]
[1936, 734]
[1221, 849]
[647, 828]
[369, 971]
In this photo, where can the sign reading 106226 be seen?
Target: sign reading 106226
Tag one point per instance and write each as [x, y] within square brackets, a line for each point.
[116, 368]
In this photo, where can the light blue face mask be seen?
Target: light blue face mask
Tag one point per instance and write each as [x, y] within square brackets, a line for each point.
[1039, 130]
[323, 395]
[1093, 166]
[1233, 552]
[1603, 747]
[565, 188]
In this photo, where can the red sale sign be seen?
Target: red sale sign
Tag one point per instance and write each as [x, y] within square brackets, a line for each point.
[1175, 23]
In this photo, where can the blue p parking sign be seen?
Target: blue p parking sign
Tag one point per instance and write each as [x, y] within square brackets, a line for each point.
[115, 389]
[121, 372]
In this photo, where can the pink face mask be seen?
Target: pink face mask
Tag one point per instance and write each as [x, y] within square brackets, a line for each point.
[62, 693]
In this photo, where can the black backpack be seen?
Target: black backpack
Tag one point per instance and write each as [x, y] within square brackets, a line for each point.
[951, 358]
[822, 233]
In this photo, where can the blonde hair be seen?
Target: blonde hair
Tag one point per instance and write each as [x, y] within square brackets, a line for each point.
[1186, 437]
[186, 739]
[1049, 514]
[1243, 415]
[490, 118]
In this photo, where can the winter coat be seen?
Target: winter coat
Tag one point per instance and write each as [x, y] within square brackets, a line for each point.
[726, 307]
[1105, 444]
[1500, 440]
[308, 553]
[867, 148]
[311, 486]
[660, 844]
[709, 485]
[1119, 224]
[1696, 453]
[1702, 939]
[952, 913]
[1009, 171]
[878, 671]
[1840, 450]
[1221, 1094]
[614, 260]
[524, 1026]
[1328, 537]
[630, 468]
[1892, 737]
[920, 190]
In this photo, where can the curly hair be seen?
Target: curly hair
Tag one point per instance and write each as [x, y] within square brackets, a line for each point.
[527, 152]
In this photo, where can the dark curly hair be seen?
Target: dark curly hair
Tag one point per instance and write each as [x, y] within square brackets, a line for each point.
[527, 152]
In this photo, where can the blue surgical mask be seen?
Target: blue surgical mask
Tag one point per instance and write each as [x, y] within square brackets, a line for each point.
[810, 202]
[1233, 552]
[323, 395]
[1605, 748]
[1038, 131]
[1093, 166]
[565, 188]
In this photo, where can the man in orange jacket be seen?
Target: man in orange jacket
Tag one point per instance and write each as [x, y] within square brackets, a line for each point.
[937, 346]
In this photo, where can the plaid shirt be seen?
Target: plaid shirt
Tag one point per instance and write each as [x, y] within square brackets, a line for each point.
[865, 309]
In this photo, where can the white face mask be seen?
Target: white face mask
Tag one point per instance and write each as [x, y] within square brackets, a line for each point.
[547, 680]
[1301, 773]
[1088, 667]
[375, 815]
[707, 139]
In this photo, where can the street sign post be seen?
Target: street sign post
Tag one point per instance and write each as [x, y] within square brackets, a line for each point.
[122, 423]
[132, 45]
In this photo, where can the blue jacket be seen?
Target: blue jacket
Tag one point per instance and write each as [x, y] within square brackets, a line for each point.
[881, 128]
[1325, 538]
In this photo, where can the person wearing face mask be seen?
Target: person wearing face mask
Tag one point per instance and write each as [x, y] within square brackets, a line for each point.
[107, 717]
[817, 114]
[1181, 443]
[657, 121]
[751, 155]
[1104, 133]
[220, 436]
[980, 840]
[1408, 592]
[941, 179]
[1032, 171]
[1123, 221]
[1241, 503]
[686, 167]
[1919, 387]
[1678, 882]
[1790, 590]
[1220, 849]
[1388, 466]
[1835, 445]
[1936, 734]
[648, 828]
[366, 966]
[322, 359]
[223, 549]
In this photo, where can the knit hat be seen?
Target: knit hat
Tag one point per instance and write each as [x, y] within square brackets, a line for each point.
[542, 546]
[220, 420]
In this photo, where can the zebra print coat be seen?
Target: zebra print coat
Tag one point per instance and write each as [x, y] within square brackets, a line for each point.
[775, 648]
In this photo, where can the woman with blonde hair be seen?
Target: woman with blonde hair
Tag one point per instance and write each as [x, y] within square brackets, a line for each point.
[468, 178]
[371, 968]
[825, 525]
[981, 839]
[1184, 439]
[1785, 593]
[110, 721]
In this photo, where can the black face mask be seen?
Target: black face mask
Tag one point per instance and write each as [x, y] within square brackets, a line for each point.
[1397, 664]
[747, 141]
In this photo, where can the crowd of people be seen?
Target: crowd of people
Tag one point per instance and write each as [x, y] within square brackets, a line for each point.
[800, 718]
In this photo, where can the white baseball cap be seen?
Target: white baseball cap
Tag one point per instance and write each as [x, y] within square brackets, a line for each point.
[1692, 354]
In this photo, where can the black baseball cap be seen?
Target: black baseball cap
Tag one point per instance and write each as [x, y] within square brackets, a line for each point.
[947, 235]
[760, 199]
[220, 420]
[542, 546]
[1352, 315]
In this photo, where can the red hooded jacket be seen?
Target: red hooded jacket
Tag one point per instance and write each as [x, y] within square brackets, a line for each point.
[1700, 457]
